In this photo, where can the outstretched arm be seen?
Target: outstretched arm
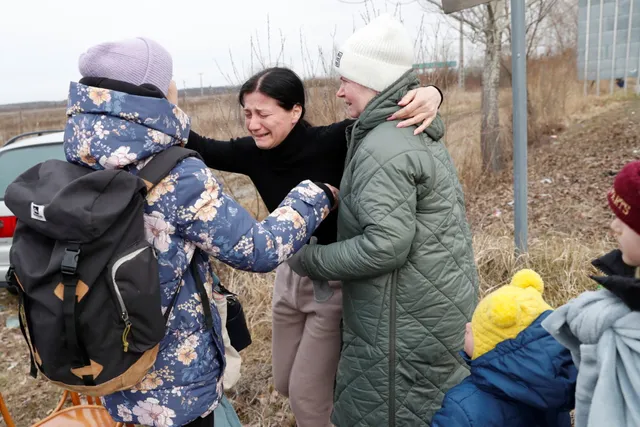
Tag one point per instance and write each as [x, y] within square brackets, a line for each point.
[388, 223]
[221, 227]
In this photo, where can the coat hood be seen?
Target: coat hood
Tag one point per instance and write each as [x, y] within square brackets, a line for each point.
[532, 368]
[111, 129]
[386, 103]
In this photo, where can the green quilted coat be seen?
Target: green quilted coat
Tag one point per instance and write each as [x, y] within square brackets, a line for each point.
[404, 255]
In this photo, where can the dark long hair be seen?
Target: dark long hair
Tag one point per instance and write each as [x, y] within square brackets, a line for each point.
[279, 83]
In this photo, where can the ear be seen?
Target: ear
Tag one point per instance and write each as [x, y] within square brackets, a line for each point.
[172, 93]
[296, 113]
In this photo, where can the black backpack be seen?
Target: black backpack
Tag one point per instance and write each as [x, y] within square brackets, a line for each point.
[90, 307]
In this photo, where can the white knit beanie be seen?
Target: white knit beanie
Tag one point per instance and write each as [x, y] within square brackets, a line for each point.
[376, 55]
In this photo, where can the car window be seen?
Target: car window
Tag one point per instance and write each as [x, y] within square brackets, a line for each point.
[15, 161]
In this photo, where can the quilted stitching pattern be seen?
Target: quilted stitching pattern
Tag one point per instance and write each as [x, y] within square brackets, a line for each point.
[436, 289]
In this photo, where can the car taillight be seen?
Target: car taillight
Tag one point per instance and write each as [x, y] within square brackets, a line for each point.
[7, 226]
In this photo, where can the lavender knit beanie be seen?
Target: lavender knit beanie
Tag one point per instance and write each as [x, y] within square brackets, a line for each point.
[136, 61]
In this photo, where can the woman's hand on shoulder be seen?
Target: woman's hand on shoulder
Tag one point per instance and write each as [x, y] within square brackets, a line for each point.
[419, 106]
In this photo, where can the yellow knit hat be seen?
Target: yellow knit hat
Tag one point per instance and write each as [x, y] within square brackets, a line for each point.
[507, 311]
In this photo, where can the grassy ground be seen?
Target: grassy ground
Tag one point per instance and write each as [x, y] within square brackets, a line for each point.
[569, 174]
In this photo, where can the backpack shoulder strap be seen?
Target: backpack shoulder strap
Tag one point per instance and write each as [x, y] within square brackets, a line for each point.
[204, 299]
[162, 163]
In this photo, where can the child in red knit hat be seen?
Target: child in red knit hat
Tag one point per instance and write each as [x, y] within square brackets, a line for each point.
[624, 200]
[602, 328]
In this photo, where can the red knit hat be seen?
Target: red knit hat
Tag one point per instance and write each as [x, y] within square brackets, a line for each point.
[624, 197]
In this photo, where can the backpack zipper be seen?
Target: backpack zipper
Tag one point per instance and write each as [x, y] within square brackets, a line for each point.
[124, 314]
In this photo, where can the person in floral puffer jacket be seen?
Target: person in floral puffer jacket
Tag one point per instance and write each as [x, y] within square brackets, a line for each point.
[121, 114]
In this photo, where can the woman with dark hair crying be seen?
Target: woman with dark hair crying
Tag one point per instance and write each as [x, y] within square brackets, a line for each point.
[282, 149]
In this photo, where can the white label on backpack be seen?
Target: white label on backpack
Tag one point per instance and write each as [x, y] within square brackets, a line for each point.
[37, 212]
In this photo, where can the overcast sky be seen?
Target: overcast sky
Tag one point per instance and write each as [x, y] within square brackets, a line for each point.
[40, 40]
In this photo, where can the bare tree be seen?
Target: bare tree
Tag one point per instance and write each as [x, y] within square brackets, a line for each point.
[562, 25]
[537, 22]
[489, 24]
[495, 22]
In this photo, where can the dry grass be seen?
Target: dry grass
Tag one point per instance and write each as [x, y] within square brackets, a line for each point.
[564, 263]
[17, 122]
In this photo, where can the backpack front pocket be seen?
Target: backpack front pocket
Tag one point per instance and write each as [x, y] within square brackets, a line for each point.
[135, 284]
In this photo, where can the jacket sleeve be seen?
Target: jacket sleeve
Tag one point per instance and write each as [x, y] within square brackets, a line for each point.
[221, 227]
[386, 211]
[451, 414]
[228, 156]
[441, 94]
[436, 129]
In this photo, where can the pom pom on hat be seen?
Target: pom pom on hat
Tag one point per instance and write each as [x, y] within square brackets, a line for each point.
[502, 312]
[507, 311]
[528, 279]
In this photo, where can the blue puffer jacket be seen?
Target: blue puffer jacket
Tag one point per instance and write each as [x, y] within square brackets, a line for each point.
[529, 381]
[188, 210]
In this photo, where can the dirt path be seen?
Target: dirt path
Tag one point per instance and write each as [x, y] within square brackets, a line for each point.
[568, 179]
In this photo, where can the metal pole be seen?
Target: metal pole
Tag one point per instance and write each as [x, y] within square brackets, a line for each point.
[461, 62]
[626, 62]
[201, 86]
[519, 93]
[613, 55]
[638, 75]
[599, 50]
[586, 49]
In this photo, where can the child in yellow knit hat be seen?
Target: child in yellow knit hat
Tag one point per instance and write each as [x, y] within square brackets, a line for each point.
[506, 312]
[520, 375]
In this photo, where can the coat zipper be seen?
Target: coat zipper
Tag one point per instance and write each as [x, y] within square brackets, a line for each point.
[124, 314]
[392, 350]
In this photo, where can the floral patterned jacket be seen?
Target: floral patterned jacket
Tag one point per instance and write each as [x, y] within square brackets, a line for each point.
[186, 211]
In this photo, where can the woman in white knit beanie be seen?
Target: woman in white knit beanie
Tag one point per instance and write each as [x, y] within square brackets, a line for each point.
[371, 60]
[404, 250]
